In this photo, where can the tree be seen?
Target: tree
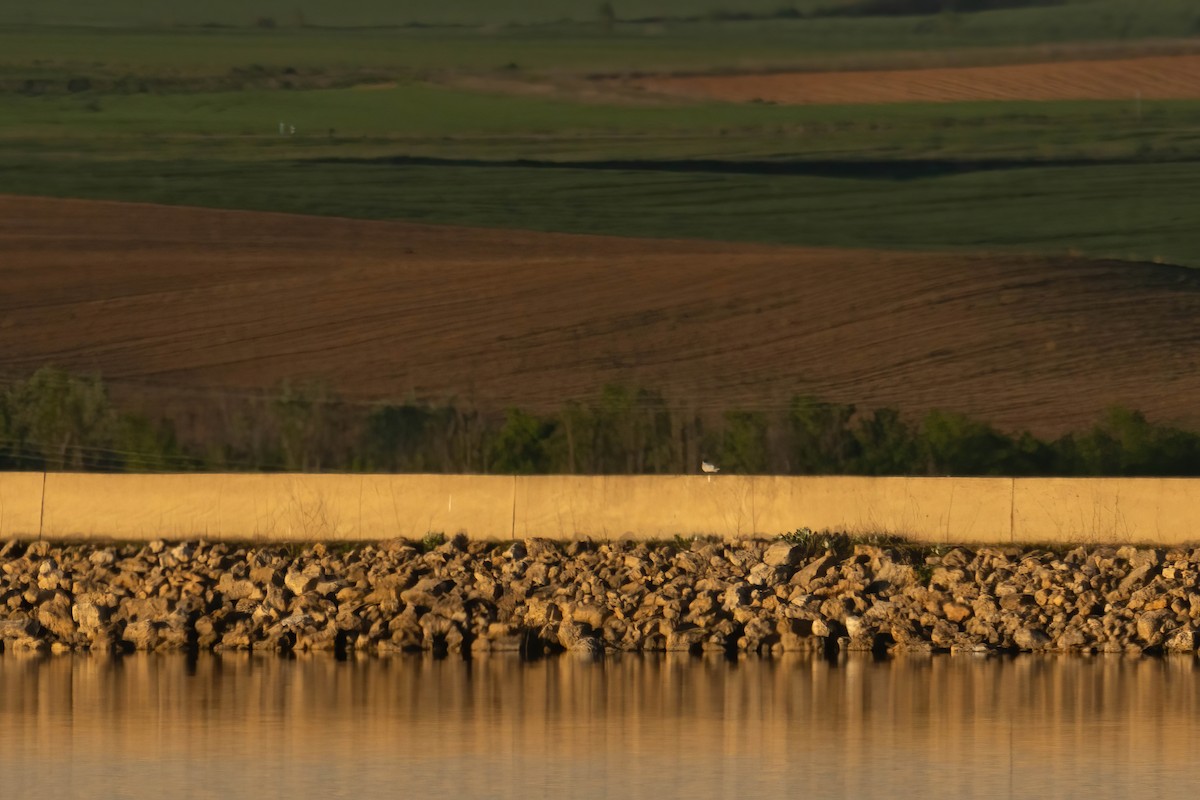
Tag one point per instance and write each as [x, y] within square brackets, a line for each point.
[885, 444]
[59, 421]
[744, 443]
[1126, 443]
[146, 445]
[954, 444]
[408, 438]
[521, 446]
[822, 442]
[622, 432]
[307, 418]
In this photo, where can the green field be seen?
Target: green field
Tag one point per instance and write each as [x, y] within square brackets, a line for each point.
[1129, 17]
[495, 124]
[1139, 212]
[828, 42]
[358, 13]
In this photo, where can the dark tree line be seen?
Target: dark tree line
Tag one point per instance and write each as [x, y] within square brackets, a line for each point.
[54, 420]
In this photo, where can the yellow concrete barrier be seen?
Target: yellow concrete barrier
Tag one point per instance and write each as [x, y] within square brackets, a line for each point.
[363, 507]
[637, 507]
[1152, 510]
[275, 507]
[20, 503]
[928, 509]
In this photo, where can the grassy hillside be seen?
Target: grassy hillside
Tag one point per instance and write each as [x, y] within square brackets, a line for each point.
[1127, 16]
[359, 13]
[475, 125]
[1135, 211]
[700, 45]
[1104, 178]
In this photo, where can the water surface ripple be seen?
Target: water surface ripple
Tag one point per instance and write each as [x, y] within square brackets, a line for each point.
[150, 726]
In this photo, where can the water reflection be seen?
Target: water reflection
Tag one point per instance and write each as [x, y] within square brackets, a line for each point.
[261, 727]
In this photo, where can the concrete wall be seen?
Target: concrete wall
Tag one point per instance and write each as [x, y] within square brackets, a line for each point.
[273, 507]
[20, 503]
[356, 507]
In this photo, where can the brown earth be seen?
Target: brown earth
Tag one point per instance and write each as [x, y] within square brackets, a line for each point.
[211, 302]
[1154, 78]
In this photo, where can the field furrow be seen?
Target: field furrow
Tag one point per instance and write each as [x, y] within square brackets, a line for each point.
[1152, 78]
[210, 302]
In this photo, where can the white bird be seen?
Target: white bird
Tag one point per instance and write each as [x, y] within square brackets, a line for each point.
[709, 467]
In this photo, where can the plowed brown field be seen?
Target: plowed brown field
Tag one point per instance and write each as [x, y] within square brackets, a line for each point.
[206, 300]
[1155, 78]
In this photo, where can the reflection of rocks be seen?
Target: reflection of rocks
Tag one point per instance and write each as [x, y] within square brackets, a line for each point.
[536, 597]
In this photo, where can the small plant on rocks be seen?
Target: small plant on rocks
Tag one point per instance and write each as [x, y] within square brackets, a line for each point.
[815, 544]
[432, 541]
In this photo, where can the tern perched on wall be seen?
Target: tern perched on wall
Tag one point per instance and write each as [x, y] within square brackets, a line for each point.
[709, 469]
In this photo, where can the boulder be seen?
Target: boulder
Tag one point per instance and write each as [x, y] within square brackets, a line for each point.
[1031, 638]
[783, 554]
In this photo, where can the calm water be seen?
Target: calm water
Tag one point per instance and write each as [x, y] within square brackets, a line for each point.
[255, 727]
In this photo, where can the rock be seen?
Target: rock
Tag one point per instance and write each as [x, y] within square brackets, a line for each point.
[55, 616]
[956, 612]
[591, 615]
[943, 633]
[439, 633]
[1071, 639]
[299, 583]
[1029, 638]
[49, 576]
[783, 554]
[18, 628]
[141, 635]
[26, 644]
[1182, 641]
[235, 589]
[754, 596]
[89, 616]
[266, 576]
[587, 646]
[182, 553]
[1151, 625]
[426, 591]
[895, 575]
[151, 608]
[737, 596]
[766, 575]
[568, 633]
[1135, 578]
[856, 627]
[238, 637]
[1140, 557]
[502, 637]
[686, 639]
[957, 557]
[812, 571]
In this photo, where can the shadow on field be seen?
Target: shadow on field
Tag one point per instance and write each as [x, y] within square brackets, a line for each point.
[898, 170]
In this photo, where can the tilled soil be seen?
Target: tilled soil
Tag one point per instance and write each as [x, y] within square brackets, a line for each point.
[1149, 78]
[191, 305]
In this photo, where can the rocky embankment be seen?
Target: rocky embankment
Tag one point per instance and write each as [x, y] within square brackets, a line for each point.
[538, 597]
